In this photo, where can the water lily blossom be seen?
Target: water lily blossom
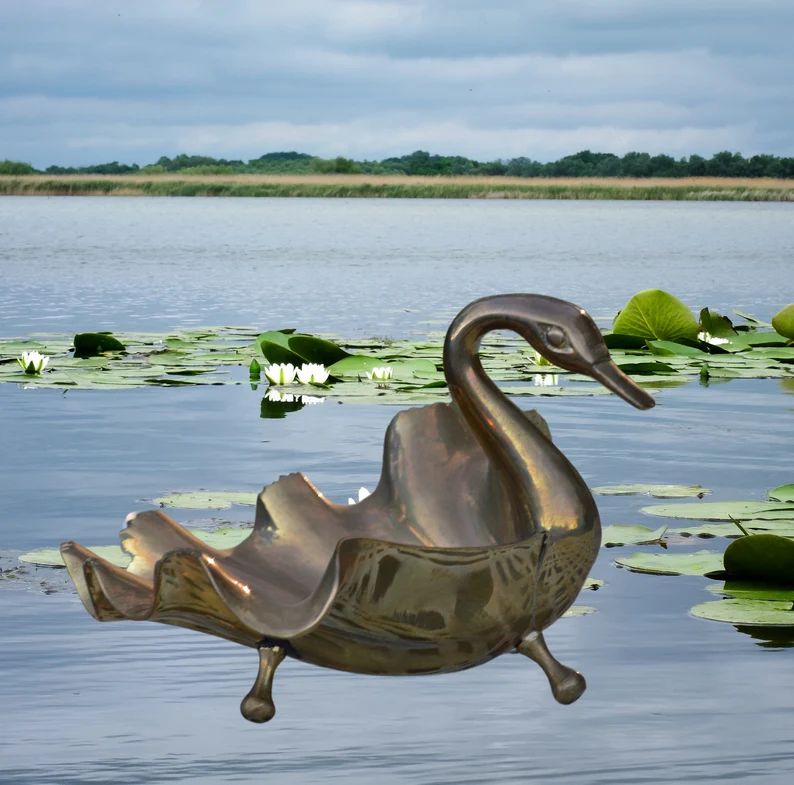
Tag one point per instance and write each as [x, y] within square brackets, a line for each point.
[312, 373]
[714, 340]
[546, 379]
[362, 494]
[380, 374]
[281, 373]
[33, 363]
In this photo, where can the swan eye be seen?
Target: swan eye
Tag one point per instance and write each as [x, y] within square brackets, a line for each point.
[555, 336]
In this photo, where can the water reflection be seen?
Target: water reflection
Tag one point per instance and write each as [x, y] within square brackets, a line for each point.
[277, 404]
[769, 637]
[87, 702]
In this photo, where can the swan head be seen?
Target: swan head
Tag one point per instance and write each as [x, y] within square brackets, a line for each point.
[562, 332]
[566, 335]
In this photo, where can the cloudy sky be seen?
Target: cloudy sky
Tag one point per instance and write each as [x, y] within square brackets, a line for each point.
[84, 81]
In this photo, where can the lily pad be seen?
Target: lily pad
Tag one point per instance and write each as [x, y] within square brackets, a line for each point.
[761, 557]
[666, 563]
[671, 348]
[783, 321]
[716, 324]
[275, 347]
[625, 534]
[747, 612]
[659, 491]
[92, 344]
[783, 493]
[785, 528]
[51, 557]
[220, 539]
[316, 350]
[578, 610]
[748, 317]
[617, 340]
[644, 368]
[206, 500]
[657, 315]
[751, 590]
[354, 365]
[723, 511]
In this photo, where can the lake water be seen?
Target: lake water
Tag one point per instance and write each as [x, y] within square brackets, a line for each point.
[670, 698]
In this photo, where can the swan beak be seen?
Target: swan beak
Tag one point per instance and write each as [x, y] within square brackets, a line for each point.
[615, 380]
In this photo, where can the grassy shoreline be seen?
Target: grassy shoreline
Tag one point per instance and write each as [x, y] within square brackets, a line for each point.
[377, 186]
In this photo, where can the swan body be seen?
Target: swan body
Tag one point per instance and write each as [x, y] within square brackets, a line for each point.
[478, 536]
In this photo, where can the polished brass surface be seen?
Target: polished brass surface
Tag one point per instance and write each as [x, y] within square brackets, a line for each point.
[258, 705]
[478, 536]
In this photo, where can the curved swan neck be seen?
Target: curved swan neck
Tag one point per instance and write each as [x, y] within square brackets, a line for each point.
[546, 490]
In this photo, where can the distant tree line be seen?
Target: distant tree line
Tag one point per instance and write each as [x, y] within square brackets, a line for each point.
[581, 164]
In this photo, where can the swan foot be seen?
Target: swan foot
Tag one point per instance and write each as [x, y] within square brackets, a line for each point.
[566, 684]
[258, 705]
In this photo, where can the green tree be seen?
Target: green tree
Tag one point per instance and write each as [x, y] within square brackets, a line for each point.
[16, 167]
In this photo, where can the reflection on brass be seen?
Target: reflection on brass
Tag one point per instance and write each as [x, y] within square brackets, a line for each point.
[479, 535]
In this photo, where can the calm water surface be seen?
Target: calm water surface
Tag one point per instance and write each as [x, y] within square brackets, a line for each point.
[670, 698]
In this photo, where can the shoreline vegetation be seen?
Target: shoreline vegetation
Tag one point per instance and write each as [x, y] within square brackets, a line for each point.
[762, 189]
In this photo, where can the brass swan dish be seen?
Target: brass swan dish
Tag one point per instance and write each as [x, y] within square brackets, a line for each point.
[478, 536]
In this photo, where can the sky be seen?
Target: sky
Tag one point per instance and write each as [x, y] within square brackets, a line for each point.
[89, 81]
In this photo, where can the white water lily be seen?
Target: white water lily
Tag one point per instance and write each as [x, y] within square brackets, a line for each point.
[312, 373]
[281, 373]
[714, 340]
[546, 379]
[380, 374]
[362, 494]
[33, 363]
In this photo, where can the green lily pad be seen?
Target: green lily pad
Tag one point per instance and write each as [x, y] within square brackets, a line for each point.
[91, 344]
[274, 352]
[666, 563]
[616, 340]
[657, 315]
[715, 324]
[751, 590]
[206, 500]
[785, 528]
[747, 612]
[219, 539]
[624, 534]
[783, 493]
[593, 584]
[723, 511]
[671, 348]
[51, 557]
[749, 340]
[355, 365]
[783, 321]
[761, 557]
[748, 317]
[316, 350]
[659, 491]
[578, 610]
[644, 368]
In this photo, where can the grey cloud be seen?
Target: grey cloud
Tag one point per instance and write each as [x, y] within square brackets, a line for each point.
[90, 80]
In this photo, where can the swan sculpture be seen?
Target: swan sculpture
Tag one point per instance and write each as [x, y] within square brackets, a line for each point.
[479, 535]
